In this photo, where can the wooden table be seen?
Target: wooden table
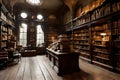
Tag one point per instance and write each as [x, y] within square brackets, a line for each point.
[65, 62]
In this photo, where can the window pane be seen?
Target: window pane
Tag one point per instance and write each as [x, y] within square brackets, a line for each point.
[23, 43]
[21, 29]
[40, 43]
[39, 29]
[25, 29]
[23, 34]
[40, 36]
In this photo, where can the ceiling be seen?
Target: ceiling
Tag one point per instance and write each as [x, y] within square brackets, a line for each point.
[48, 6]
[45, 4]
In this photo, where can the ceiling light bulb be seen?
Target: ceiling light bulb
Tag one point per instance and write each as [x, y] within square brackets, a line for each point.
[24, 15]
[33, 2]
[39, 16]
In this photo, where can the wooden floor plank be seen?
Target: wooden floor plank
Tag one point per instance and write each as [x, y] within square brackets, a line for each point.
[96, 72]
[72, 76]
[10, 73]
[19, 75]
[44, 70]
[4, 74]
[39, 68]
[14, 72]
[36, 73]
[49, 68]
[27, 75]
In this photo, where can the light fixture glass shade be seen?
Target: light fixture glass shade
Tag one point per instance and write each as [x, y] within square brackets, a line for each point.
[23, 15]
[39, 16]
[33, 2]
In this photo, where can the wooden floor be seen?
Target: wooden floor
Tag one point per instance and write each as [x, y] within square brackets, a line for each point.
[39, 68]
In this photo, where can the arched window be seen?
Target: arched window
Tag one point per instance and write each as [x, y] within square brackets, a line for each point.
[40, 37]
[23, 35]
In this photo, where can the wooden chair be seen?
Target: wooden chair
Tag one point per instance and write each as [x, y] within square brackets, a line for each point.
[14, 56]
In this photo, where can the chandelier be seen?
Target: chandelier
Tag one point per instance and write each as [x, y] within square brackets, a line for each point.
[33, 2]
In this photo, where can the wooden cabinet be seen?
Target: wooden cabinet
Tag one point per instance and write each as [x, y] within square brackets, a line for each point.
[96, 35]
[64, 62]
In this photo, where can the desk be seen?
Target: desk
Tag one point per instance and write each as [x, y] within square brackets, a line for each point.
[65, 62]
[28, 53]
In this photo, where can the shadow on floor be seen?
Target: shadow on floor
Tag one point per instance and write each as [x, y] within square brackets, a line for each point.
[81, 75]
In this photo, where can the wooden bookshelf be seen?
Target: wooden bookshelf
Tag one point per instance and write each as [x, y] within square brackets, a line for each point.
[52, 34]
[6, 26]
[116, 42]
[96, 35]
[81, 41]
[100, 43]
